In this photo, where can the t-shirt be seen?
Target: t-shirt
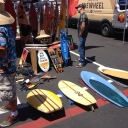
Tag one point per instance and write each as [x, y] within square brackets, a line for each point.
[7, 39]
[25, 30]
[83, 18]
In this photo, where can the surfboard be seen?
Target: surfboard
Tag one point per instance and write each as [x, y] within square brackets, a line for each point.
[43, 61]
[64, 47]
[44, 101]
[55, 22]
[41, 17]
[76, 93]
[9, 7]
[45, 18]
[33, 18]
[21, 13]
[55, 46]
[50, 19]
[62, 18]
[104, 88]
[114, 72]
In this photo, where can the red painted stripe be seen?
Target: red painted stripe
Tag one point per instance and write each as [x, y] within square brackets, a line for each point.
[74, 111]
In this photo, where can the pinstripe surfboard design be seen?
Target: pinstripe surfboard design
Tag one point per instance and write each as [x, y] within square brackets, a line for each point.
[44, 100]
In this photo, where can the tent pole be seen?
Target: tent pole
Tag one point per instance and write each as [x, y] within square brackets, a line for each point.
[125, 22]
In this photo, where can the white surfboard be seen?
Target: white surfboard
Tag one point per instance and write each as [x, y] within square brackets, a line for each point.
[43, 61]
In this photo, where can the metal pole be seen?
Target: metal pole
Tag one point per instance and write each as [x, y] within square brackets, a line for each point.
[125, 21]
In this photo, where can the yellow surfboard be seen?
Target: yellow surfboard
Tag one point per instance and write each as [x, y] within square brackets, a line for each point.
[62, 20]
[114, 72]
[44, 100]
[76, 93]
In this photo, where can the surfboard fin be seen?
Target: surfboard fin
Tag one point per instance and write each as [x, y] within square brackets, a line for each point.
[92, 108]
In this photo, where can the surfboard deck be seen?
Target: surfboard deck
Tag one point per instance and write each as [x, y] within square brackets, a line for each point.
[64, 47]
[114, 72]
[104, 88]
[55, 22]
[33, 18]
[10, 9]
[62, 20]
[43, 61]
[44, 101]
[55, 46]
[76, 93]
[54, 59]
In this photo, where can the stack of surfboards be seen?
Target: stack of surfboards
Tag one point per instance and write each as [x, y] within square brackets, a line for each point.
[118, 76]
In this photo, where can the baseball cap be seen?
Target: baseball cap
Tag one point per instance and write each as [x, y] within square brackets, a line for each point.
[80, 6]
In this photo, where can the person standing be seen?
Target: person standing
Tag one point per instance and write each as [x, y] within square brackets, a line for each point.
[82, 27]
[7, 66]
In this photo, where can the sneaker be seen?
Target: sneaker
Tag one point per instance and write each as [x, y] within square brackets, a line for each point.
[80, 65]
[5, 108]
[9, 121]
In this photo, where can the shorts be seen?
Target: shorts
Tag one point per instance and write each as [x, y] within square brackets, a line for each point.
[7, 87]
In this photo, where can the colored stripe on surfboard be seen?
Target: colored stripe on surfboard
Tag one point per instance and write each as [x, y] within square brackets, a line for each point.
[50, 99]
[40, 100]
[75, 91]
[45, 100]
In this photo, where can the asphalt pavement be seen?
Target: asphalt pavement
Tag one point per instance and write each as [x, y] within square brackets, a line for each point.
[106, 51]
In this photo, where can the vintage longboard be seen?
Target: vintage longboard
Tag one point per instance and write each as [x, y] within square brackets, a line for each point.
[64, 47]
[76, 93]
[43, 61]
[62, 18]
[55, 22]
[104, 88]
[44, 101]
[21, 13]
[114, 72]
[50, 19]
[54, 59]
[33, 18]
[45, 18]
[10, 9]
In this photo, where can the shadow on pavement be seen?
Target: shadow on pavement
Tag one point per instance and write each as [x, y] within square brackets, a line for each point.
[33, 114]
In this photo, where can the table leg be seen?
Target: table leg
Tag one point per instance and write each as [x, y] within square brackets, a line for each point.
[34, 60]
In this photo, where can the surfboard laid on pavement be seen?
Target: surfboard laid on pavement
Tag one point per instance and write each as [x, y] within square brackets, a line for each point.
[76, 93]
[44, 101]
[104, 88]
[54, 59]
[10, 9]
[43, 61]
[64, 47]
[114, 72]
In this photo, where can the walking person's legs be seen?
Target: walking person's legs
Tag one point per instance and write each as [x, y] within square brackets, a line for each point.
[81, 50]
[8, 93]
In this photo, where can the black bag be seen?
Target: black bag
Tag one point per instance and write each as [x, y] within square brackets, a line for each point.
[25, 69]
